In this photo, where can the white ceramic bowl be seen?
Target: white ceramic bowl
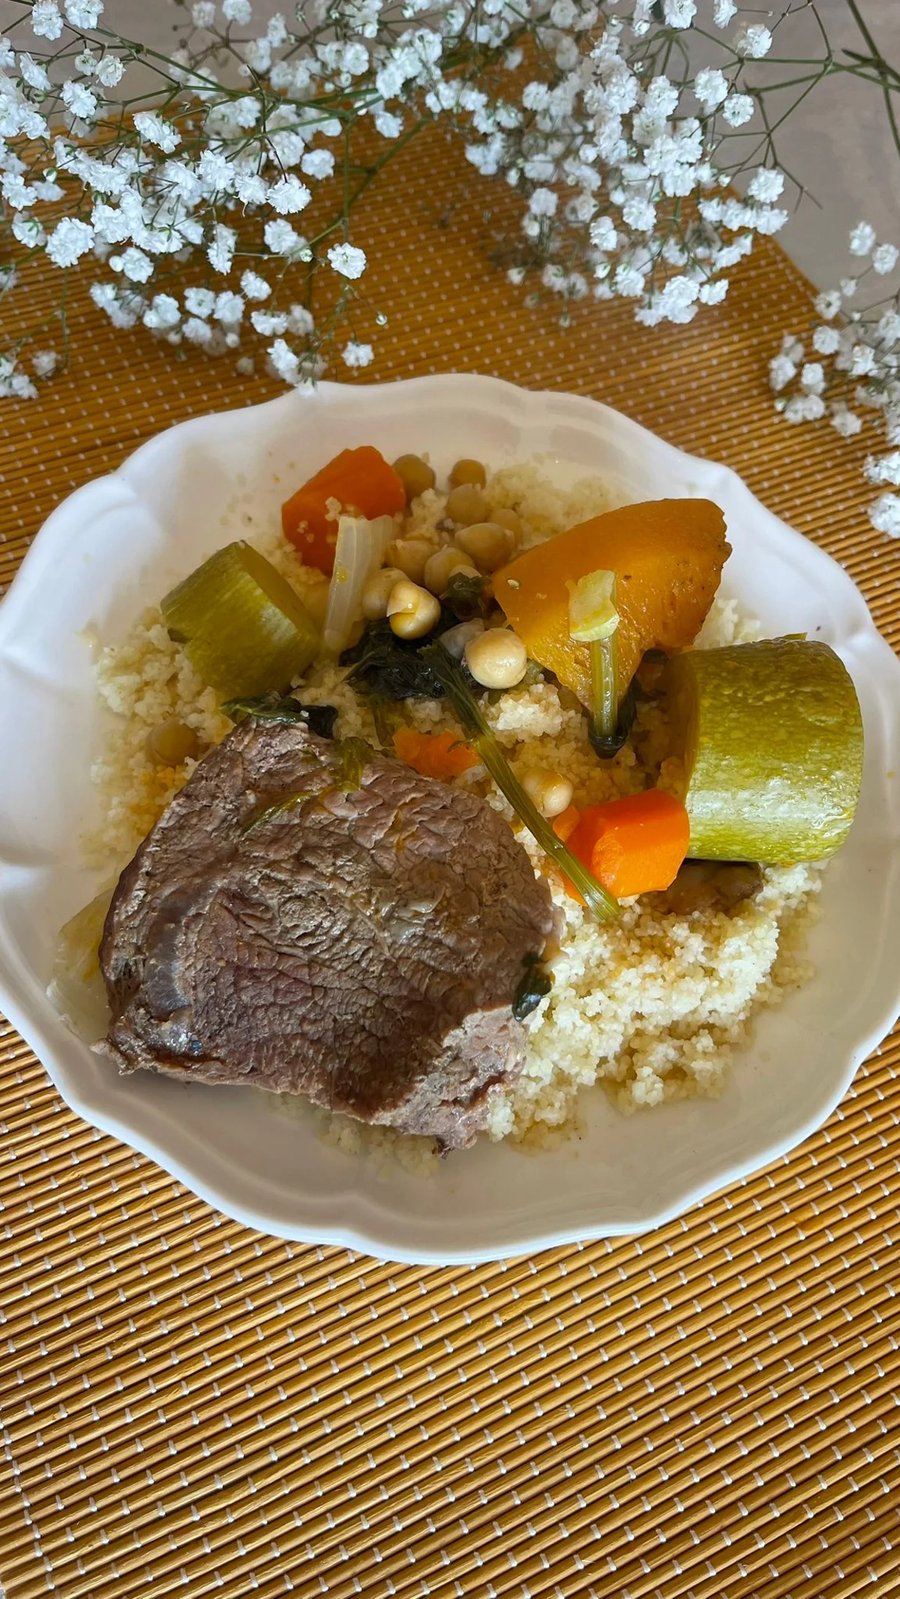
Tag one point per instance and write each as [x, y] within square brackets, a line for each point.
[123, 540]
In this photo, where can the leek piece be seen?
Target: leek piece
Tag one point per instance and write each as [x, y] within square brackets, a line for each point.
[770, 738]
[480, 735]
[594, 620]
[243, 628]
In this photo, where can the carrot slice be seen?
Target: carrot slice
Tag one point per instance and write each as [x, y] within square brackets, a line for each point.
[633, 845]
[566, 822]
[361, 481]
[441, 755]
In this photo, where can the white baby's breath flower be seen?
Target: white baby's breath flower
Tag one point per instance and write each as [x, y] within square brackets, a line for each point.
[710, 88]
[543, 203]
[884, 515]
[737, 110]
[284, 362]
[679, 13]
[29, 232]
[848, 287]
[828, 304]
[109, 71]
[284, 240]
[203, 13]
[154, 129]
[69, 241]
[269, 322]
[133, 264]
[888, 328]
[45, 362]
[33, 73]
[46, 21]
[753, 41]
[289, 195]
[845, 421]
[162, 313]
[826, 341]
[723, 11]
[14, 383]
[347, 260]
[245, 366]
[80, 100]
[200, 302]
[229, 307]
[388, 124]
[84, 13]
[804, 408]
[196, 331]
[239, 11]
[781, 371]
[884, 258]
[220, 253]
[254, 286]
[862, 239]
[862, 360]
[812, 377]
[317, 164]
[356, 355]
[883, 468]
[300, 319]
[713, 293]
[766, 185]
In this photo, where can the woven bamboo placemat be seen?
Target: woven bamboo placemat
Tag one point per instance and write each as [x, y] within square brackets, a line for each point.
[707, 1411]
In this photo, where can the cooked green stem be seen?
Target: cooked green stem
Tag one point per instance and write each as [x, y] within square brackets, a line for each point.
[480, 735]
[604, 687]
[594, 621]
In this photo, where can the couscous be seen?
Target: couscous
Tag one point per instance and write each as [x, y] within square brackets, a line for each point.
[648, 1006]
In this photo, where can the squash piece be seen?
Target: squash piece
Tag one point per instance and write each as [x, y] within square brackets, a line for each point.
[769, 741]
[667, 556]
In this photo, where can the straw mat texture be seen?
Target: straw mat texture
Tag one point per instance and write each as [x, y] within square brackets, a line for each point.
[709, 1411]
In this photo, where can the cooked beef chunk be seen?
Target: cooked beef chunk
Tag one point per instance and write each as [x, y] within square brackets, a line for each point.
[358, 939]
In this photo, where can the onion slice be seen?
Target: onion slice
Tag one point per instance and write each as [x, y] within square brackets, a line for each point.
[359, 552]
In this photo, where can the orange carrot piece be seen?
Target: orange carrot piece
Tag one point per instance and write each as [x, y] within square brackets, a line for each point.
[361, 481]
[633, 845]
[566, 822]
[440, 755]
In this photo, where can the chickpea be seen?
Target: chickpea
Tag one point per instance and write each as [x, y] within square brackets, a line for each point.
[497, 658]
[377, 591]
[488, 544]
[467, 471]
[456, 638]
[416, 475]
[466, 504]
[171, 742]
[315, 601]
[442, 565]
[510, 520]
[410, 556]
[412, 610]
[550, 791]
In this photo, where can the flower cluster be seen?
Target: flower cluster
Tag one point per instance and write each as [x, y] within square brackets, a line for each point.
[856, 351]
[216, 208]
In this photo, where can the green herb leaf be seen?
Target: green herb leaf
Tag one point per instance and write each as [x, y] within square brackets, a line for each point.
[535, 983]
[320, 719]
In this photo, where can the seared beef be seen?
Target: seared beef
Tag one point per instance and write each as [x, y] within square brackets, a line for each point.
[358, 944]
